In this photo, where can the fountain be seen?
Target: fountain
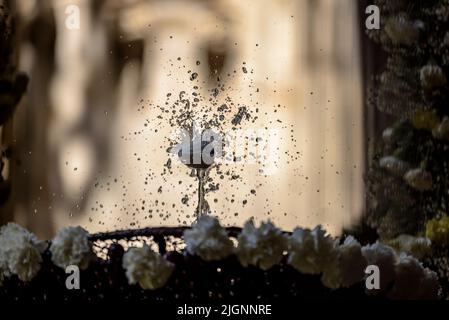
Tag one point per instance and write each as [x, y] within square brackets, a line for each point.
[198, 153]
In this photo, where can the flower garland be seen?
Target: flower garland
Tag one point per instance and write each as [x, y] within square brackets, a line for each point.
[341, 264]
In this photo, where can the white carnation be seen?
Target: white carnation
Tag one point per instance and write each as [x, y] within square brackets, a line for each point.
[312, 251]
[349, 268]
[403, 31]
[383, 257]
[413, 281]
[388, 134]
[352, 262]
[208, 240]
[442, 131]
[416, 246]
[331, 277]
[432, 76]
[2, 276]
[147, 268]
[263, 246]
[3, 271]
[419, 179]
[20, 252]
[3, 266]
[430, 287]
[71, 246]
[394, 165]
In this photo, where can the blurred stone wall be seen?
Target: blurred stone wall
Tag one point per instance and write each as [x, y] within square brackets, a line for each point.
[86, 84]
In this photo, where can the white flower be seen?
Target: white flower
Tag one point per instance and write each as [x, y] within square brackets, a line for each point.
[3, 271]
[413, 281]
[352, 261]
[20, 252]
[388, 134]
[415, 246]
[71, 247]
[208, 240]
[419, 179]
[403, 31]
[430, 286]
[263, 246]
[331, 277]
[394, 165]
[312, 251]
[446, 39]
[442, 131]
[2, 276]
[432, 76]
[383, 257]
[349, 268]
[147, 268]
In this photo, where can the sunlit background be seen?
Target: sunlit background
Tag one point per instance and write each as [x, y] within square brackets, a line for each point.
[72, 166]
